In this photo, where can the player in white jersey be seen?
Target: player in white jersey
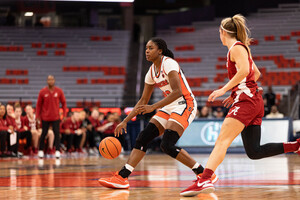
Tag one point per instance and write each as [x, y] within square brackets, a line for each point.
[176, 111]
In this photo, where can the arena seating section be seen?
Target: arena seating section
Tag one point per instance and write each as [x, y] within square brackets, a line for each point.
[89, 64]
[275, 49]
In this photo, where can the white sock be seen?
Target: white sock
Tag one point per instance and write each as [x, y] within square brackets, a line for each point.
[129, 167]
[196, 166]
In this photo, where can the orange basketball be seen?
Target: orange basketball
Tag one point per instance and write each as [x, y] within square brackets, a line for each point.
[110, 147]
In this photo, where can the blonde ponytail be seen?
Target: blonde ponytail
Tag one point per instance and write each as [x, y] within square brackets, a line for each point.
[236, 27]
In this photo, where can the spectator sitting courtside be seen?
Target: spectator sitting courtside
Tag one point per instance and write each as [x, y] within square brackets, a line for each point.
[274, 113]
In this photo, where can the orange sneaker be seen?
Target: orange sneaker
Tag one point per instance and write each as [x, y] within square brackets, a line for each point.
[213, 178]
[116, 181]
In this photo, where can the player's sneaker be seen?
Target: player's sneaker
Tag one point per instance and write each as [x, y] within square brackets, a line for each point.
[57, 154]
[116, 181]
[213, 178]
[41, 154]
[200, 186]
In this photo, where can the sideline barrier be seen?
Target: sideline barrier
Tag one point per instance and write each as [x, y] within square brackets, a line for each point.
[203, 134]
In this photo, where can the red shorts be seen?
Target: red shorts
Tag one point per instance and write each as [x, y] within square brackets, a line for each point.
[248, 110]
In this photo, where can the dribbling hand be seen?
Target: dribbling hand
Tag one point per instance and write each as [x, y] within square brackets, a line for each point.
[119, 129]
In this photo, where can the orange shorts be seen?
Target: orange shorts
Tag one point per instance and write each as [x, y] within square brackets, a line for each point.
[182, 112]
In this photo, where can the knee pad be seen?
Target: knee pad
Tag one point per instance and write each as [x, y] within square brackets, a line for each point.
[168, 143]
[146, 136]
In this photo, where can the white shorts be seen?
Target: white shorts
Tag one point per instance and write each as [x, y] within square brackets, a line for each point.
[182, 112]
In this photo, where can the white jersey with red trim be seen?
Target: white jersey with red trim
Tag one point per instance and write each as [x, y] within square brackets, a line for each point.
[161, 79]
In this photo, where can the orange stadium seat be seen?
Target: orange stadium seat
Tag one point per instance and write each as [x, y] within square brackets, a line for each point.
[23, 81]
[103, 38]
[11, 48]
[269, 38]
[285, 37]
[50, 45]
[222, 59]
[185, 48]
[108, 70]
[60, 53]
[107, 38]
[8, 81]
[185, 29]
[189, 60]
[42, 53]
[95, 38]
[36, 45]
[82, 81]
[256, 58]
[61, 45]
[221, 67]
[254, 42]
[107, 81]
[295, 33]
[16, 72]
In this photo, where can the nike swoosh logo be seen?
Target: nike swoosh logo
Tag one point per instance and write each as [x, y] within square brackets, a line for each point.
[201, 184]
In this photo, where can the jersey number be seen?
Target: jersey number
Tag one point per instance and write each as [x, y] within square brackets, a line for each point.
[166, 93]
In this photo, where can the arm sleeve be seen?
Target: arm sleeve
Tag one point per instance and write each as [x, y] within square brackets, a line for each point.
[39, 105]
[148, 78]
[63, 103]
[171, 65]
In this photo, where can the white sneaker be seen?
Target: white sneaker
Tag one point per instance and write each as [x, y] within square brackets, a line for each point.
[57, 154]
[41, 154]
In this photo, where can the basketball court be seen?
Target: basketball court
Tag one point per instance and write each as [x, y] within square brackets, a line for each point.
[156, 177]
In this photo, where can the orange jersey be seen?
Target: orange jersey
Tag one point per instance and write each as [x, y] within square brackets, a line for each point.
[161, 79]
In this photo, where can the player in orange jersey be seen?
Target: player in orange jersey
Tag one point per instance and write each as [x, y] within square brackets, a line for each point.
[176, 111]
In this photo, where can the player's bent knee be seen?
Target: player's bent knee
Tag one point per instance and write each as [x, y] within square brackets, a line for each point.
[254, 155]
[146, 136]
[168, 143]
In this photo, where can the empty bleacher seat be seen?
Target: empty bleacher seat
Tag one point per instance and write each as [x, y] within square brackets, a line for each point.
[16, 72]
[82, 81]
[185, 48]
[42, 53]
[269, 38]
[185, 29]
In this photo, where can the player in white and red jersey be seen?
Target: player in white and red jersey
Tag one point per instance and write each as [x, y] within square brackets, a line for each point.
[35, 128]
[23, 130]
[176, 111]
[247, 109]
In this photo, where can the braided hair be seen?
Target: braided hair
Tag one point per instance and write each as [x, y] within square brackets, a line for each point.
[163, 46]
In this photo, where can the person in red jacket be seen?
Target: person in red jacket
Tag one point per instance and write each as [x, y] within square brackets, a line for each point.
[108, 128]
[72, 132]
[23, 129]
[3, 131]
[10, 119]
[47, 110]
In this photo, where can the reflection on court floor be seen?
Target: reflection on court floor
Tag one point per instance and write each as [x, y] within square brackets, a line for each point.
[156, 177]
